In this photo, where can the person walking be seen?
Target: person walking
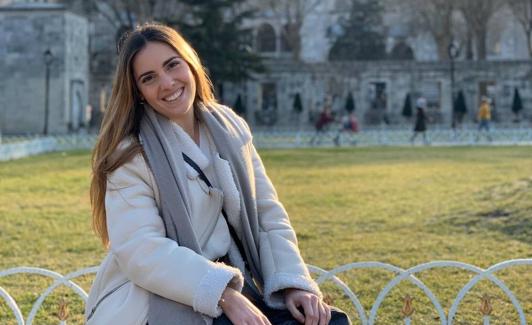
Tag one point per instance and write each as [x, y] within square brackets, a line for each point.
[180, 198]
[420, 124]
[484, 118]
[349, 125]
[322, 124]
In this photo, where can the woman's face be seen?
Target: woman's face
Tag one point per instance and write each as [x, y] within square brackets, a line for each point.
[165, 81]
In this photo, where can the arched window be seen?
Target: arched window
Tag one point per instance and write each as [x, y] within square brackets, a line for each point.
[266, 38]
[401, 51]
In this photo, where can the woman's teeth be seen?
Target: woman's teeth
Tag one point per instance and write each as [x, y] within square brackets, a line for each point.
[174, 96]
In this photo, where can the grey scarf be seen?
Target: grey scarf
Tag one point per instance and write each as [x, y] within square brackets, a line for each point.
[167, 165]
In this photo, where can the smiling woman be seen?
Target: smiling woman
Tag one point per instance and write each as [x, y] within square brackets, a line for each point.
[166, 82]
[194, 228]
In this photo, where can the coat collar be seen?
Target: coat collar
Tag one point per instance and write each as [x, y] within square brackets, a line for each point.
[189, 147]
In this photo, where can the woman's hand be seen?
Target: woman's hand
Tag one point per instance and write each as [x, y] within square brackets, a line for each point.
[316, 312]
[240, 310]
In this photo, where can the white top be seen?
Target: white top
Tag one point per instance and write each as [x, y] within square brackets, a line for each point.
[212, 233]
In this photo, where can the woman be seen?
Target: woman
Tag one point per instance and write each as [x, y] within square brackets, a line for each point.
[420, 124]
[181, 199]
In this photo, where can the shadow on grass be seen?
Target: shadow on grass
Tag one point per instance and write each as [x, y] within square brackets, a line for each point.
[505, 208]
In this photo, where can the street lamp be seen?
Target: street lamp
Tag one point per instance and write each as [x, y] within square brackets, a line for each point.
[48, 59]
[454, 51]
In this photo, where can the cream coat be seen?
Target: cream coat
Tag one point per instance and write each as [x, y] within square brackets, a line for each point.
[142, 259]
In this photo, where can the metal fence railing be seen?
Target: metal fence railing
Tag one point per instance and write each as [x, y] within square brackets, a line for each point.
[364, 317]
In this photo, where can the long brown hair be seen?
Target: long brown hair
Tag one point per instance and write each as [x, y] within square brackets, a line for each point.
[124, 111]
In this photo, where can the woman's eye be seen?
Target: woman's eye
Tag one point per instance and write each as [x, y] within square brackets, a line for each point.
[173, 64]
[147, 79]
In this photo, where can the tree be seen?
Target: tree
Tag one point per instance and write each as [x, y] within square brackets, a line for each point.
[436, 17]
[349, 103]
[214, 29]
[361, 37]
[239, 107]
[460, 107]
[407, 107]
[477, 14]
[522, 10]
[517, 104]
[297, 106]
[292, 14]
[126, 14]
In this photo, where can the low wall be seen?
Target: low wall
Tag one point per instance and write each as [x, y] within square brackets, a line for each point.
[15, 148]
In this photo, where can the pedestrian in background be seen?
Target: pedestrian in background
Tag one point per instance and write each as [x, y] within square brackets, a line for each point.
[484, 117]
[322, 124]
[349, 125]
[420, 124]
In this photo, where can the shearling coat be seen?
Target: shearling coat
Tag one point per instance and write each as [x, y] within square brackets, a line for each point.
[141, 259]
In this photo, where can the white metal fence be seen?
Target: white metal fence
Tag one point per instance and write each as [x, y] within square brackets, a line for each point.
[23, 146]
[365, 318]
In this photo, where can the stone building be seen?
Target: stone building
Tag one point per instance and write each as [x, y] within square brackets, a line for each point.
[506, 39]
[45, 84]
[379, 87]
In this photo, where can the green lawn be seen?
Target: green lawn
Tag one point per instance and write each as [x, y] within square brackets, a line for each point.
[403, 206]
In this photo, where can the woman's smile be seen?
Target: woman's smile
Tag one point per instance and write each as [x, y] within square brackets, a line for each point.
[173, 97]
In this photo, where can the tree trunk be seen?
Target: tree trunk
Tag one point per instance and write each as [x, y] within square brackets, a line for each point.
[470, 55]
[294, 38]
[442, 42]
[481, 35]
[529, 30]
[529, 42]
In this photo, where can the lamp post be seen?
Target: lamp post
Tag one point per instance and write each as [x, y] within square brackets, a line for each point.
[454, 51]
[48, 59]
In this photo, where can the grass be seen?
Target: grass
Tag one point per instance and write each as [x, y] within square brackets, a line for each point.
[403, 206]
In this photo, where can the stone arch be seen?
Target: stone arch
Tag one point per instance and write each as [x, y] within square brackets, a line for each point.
[266, 38]
[402, 51]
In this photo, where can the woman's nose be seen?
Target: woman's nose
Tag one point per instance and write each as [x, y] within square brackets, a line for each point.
[167, 81]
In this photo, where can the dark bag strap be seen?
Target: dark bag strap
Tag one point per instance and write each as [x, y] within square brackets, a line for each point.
[232, 231]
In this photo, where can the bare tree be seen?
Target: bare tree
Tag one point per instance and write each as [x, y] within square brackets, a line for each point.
[292, 14]
[129, 13]
[522, 10]
[477, 14]
[435, 16]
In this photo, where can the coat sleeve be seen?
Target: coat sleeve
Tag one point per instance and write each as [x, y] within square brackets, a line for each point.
[149, 259]
[281, 262]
